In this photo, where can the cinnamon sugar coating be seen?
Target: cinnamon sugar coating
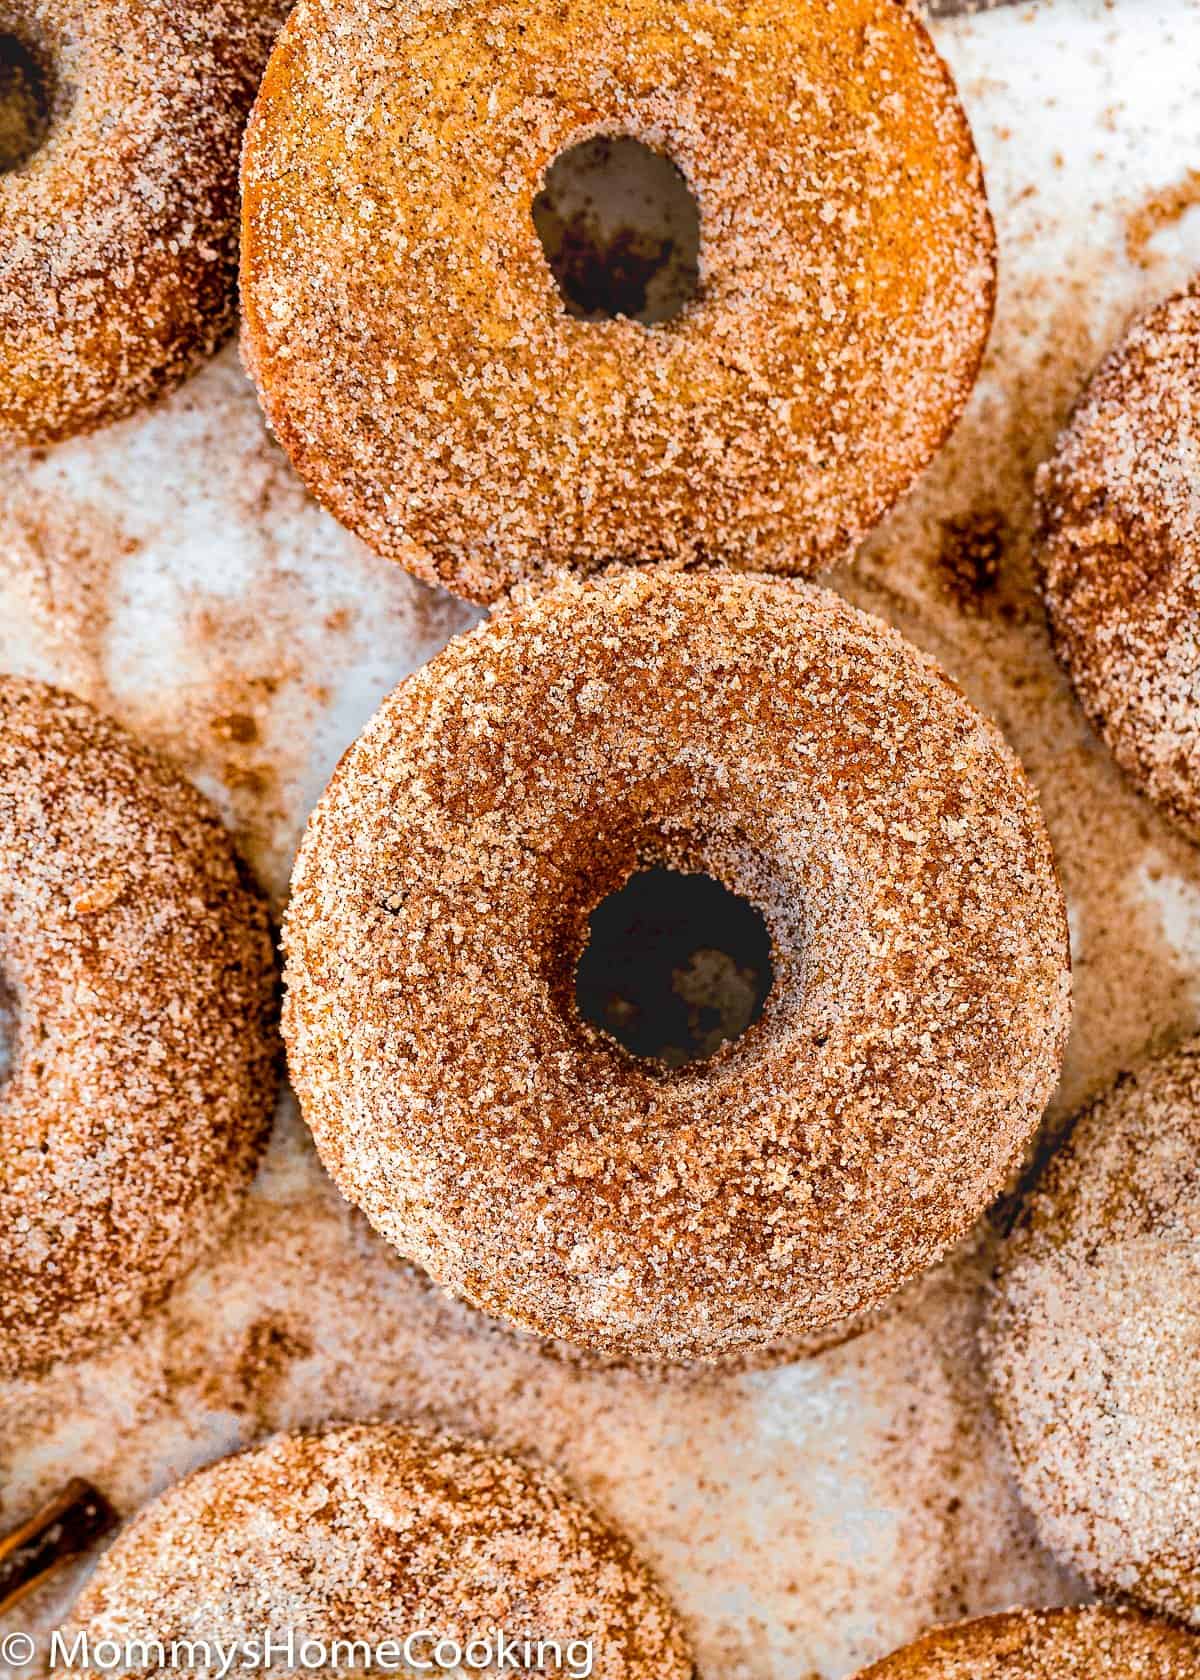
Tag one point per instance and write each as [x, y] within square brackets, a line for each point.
[1120, 554]
[1096, 1643]
[372, 1532]
[118, 236]
[1094, 1342]
[813, 762]
[138, 963]
[413, 353]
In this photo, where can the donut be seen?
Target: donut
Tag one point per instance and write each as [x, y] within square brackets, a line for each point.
[1095, 1643]
[1119, 555]
[378, 1533]
[418, 361]
[137, 967]
[801, 754]
[1093, 1342]
[120, 132]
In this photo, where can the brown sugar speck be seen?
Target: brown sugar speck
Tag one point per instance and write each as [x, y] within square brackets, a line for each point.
[970, 555]
[236, 726]
[100, 896]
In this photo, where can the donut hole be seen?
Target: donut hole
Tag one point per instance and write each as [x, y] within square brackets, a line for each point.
[621, 231]
[675, 966]
[24, 104]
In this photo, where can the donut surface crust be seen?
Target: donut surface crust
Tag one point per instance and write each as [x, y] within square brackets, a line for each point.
[118, 235]
[1094, 1342]
[373, 1532]
[415, 357]
[1120, 555]
[804, 755]
[136, 962]
[1094, 1643]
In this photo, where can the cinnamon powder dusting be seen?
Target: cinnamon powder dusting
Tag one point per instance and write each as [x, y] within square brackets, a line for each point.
[143, 1074]
[118, 216]
[1120, 554]
[805, 1518]
[1093, 1343]
[373, 1532]
[1161, 210]
[1089, 1644]
[437, 395]
[760, 732]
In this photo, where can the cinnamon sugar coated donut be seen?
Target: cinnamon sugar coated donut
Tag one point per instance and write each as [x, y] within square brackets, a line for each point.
[139, 981]
[374, 1532]
[1089, 1644]
[1120, 553]
[120, 135]
[1094, 1342]
[416, 358]
[807, 758]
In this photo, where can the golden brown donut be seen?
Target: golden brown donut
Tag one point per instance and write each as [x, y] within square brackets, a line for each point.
[804, 755]
[1094, 1342]
[1120, 555]
[380, 1533]
[415, 357]
[118, 228]
[139, 980]
[1086, 1644]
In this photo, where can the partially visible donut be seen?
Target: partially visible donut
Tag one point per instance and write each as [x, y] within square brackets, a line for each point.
[1120, 554]
[809, 759]
[1088, 1644]
[416, 359]
[1094, 1342]
[374, 1532]
[118, 232]
[136, 959]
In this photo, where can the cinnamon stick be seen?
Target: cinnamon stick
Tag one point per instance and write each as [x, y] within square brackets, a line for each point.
[62, 1529]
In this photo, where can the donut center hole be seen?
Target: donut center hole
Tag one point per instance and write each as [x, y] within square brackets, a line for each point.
[24, 104]
[621, 231]
[675, 965]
